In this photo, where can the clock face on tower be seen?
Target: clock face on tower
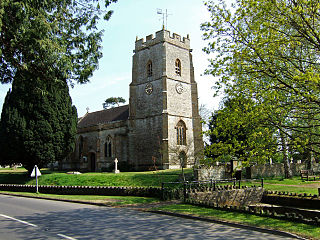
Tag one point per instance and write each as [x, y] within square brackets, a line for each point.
[179, 88]
[149, 88]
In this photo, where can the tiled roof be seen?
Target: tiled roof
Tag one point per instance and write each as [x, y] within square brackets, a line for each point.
[104, 116]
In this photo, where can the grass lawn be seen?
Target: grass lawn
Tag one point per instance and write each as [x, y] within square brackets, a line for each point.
[134, 179]
[140, 179]
[304, 230]
[154, 179]
[294, 184]
[301, 229]
[108, 200]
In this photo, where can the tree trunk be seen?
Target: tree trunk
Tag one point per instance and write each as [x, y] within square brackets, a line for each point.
[286, 160]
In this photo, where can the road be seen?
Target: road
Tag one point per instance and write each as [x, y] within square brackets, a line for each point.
[27, 218]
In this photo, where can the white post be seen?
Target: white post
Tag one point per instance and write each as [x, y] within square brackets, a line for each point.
[36, 173]
[116, 166]
[36, 168]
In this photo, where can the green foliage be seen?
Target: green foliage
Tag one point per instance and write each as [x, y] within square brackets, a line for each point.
[125, 179]
[46, 36]
[268, 51]
[45, 45]
[38, 122]
[107, 200]
[111, 101]
[245, 218]
[236, 131]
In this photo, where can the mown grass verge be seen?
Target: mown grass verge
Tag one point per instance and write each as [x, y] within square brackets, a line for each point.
[124, 179]
[305, 230]
[108, 200]
[141, 179]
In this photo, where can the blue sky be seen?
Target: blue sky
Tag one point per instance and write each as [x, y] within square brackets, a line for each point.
[134, 18]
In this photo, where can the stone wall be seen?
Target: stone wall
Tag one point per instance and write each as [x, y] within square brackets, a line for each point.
[267, 170]
[291, 199]
[277, 169]
[233, 197]
[256, 171]
[94, 139]
[214, 172]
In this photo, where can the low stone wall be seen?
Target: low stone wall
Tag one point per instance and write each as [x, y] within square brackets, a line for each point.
[256, 171]
[284, 213]
[214, 173]
[292, 199]
[86, 190]
[230, 197]
[267, 170]
[277, 169]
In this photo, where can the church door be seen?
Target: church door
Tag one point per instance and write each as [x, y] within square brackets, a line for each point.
[92, 162]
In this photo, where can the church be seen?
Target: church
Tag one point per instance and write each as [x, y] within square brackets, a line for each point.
[160, 128]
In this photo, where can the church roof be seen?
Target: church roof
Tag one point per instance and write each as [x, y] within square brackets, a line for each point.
[104, 116]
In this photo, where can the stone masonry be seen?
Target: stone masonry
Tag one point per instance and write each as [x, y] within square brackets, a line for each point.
[160, 126]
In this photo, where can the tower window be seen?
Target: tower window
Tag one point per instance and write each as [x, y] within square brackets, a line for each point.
[178, 67]
[181, 133]
[108, 147]
[149, 69]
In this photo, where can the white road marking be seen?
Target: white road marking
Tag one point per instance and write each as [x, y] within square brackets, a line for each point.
[18, 220]
[66, 237]
[33, 225]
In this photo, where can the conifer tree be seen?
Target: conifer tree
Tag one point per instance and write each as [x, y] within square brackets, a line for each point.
[38, 122]
[44, 46]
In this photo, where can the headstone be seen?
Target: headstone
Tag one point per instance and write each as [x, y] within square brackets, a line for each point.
[116, 166]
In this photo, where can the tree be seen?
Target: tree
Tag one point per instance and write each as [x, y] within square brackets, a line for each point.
[111, 101]
[235, 132]
[45, 36]
[269, 50]
[44, 46]
[36, 127]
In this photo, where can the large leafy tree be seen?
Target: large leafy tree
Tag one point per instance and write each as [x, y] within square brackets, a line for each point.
[269, 51]
[235, 131]
[44, 46]
[50, 37]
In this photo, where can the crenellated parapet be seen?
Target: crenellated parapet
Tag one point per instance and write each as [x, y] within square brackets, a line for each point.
[163, 36]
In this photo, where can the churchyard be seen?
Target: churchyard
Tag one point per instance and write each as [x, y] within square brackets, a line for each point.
[154, 179]
[141, 179]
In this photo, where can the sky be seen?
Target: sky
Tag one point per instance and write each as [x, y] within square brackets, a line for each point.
[139, 18]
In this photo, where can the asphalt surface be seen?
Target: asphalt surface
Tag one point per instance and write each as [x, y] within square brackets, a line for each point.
[27, 218]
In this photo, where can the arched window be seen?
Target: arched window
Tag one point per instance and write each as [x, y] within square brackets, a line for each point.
[108, 147]
[178, 67]
[149, 69]
[80, 146]
[181, 133]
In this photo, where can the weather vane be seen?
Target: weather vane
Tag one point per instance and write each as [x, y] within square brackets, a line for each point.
[164, 17]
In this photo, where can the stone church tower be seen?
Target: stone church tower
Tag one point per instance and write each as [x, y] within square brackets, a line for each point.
[164, 121]
[160, 126]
